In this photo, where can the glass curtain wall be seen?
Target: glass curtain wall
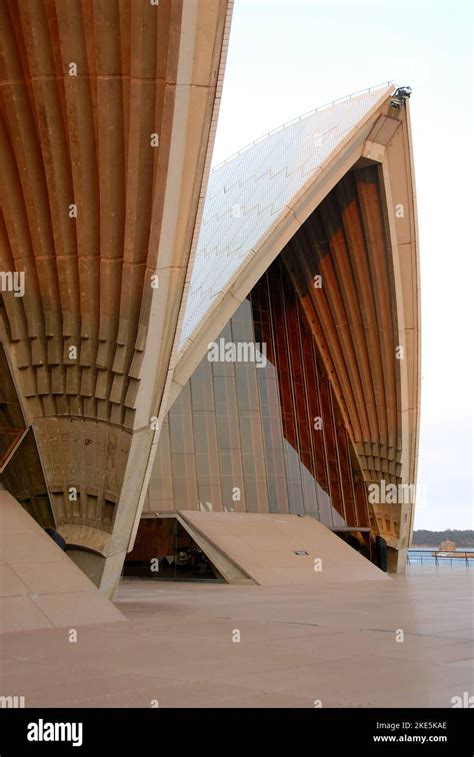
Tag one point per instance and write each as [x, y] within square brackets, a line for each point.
[321, 476]
[260, 435]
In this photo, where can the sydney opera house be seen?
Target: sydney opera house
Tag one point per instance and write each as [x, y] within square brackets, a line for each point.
[205, 374]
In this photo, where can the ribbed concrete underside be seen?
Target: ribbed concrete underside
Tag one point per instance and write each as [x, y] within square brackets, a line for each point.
[40, 587]
[265, 546]
[107, 119]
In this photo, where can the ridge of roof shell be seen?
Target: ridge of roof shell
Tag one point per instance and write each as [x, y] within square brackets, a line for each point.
[249, 192]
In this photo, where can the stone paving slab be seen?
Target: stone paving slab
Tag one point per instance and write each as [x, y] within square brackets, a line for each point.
[296, 645]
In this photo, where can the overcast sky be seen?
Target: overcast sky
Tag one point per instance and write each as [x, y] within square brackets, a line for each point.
[286, 58]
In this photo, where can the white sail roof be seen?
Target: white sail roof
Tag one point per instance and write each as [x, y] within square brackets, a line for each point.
[248, 193]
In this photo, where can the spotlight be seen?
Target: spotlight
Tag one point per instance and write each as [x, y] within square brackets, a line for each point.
[399, 96]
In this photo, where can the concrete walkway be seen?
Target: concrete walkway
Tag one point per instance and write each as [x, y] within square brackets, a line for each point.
[297, 645]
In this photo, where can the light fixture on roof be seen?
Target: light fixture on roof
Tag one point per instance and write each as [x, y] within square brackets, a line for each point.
[399, 96]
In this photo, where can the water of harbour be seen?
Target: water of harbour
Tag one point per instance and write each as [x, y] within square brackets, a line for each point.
[424, 556]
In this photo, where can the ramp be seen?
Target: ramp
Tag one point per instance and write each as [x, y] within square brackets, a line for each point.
[276, 550]
[228, 569]
[40, 586]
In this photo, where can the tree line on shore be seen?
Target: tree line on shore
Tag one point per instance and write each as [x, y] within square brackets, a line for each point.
[422, 537]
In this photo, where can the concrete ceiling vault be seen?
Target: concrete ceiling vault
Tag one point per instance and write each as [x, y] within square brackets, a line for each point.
[107, 120]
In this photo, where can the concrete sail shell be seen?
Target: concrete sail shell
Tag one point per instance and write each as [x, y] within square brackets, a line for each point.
[333, 193]
[107, 122]
[108, 115]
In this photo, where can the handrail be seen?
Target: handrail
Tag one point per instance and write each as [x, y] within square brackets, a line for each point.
[299, 118]
[417, 556]
[452, 553]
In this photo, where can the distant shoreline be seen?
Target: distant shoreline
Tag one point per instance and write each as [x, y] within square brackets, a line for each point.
[423, 537]
[435, 547]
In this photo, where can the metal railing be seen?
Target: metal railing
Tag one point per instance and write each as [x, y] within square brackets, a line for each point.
[438, 557]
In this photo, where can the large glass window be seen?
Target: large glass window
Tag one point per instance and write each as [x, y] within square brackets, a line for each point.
[164, 550]
[262, 438]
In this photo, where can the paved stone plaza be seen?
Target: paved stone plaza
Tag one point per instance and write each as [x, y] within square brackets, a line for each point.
[337, 645]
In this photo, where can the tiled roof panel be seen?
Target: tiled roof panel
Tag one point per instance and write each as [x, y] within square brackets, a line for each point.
[249, 192]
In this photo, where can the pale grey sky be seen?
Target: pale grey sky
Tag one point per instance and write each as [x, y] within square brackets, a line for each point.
[286, 58]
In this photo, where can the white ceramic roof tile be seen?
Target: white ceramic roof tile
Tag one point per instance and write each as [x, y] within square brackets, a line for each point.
[247, 193]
